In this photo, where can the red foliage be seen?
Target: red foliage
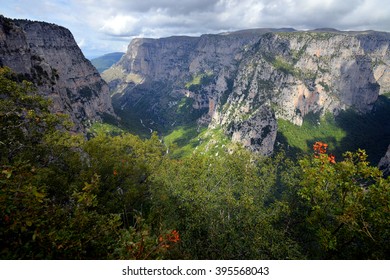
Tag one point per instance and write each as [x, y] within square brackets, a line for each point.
[320, 148]
[332, 158]
[174, 236]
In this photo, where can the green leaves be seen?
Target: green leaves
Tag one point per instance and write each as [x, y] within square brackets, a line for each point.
[65, 197]
[24, 118]
[219, 206]
[339, 196]
[7, 173]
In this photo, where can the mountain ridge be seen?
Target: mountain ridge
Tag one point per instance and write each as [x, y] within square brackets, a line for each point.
[245, 81]
[105, 61]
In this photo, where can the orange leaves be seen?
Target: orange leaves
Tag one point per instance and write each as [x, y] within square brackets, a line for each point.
[332, 158]
[123, 164]
[321, 148]
[173, 237]
[143, 245]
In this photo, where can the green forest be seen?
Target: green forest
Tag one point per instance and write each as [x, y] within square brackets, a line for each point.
[113, 195]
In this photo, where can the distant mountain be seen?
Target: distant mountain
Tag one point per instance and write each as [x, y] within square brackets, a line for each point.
[106, 61]
[261, 88]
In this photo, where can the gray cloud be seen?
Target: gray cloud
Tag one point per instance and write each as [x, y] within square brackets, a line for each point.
[102, 26]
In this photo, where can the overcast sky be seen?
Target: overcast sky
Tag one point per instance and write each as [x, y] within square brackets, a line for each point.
[103, 26]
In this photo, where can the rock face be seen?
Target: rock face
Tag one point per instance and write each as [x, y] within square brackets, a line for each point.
[257, 133]
[48, 55]
[384, 163]
[156, 76]
[244, 81]
[304, 72]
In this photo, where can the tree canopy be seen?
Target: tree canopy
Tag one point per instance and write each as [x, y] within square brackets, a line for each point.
[116, 196]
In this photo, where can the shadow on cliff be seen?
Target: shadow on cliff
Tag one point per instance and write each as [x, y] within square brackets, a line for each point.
[370, 131]
[281, 145]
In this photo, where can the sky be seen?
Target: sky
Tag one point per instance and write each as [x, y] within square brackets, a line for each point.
[104, 26]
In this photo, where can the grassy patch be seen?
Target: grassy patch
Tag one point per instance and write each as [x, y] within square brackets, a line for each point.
[314, 128]
[348, 131]
[184, 105]
[186, 140]
[183, 140]
[195, 81]
[198, 80]
[214, 142]
[387, 94]
[284, 66]
[104, 128]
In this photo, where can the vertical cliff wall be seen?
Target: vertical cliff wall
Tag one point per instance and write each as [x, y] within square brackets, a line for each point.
[48, 55]
[172, 81]
[244, 81]
[305, 72]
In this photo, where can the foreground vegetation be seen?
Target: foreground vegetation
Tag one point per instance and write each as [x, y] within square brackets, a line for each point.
[119, 197]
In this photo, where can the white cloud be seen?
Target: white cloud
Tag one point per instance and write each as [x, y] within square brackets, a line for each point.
[120, 25]
[81, 43]
[105, 25]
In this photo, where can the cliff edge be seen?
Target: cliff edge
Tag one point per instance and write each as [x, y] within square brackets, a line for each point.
[47, 55]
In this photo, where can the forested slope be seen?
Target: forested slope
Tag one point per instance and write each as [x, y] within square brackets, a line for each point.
[115, 196]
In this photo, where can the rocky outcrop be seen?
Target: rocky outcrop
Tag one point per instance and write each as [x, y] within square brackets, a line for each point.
[257, 133]
[384, 163]
[244, 81]
[48, 55]
[305, 72]
[157, 78]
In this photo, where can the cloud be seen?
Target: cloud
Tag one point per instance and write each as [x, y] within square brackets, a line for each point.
[168, 17]
[105, 25]
[81, 43]
[120, 25]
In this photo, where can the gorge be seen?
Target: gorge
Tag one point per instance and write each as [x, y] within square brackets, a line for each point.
[250, 87]
[245, 82]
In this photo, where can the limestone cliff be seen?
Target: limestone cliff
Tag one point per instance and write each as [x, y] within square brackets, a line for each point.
[48, 55]
[171, 81]
[384, 163]
[244, 81]
[304, 72]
